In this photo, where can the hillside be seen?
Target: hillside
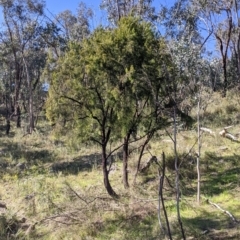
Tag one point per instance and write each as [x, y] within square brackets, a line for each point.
[52, 188]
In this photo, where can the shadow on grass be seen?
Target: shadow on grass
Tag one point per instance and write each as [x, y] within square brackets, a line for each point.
[221, 118]
[133, 227]
[220, 174]
[30, 156]
[216, 184]
[83, 163]
[209, 226]
[19, 159]
[23, 158]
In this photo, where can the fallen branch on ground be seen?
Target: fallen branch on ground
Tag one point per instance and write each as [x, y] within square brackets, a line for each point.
[231, 137]
[226, 134]
[207, 130]
[224, 211]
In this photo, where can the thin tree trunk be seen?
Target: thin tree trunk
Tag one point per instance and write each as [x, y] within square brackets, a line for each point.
[224, 53]
[238, 56]
[177, 180]
[8, 126]
[150, 135]
[30, 109]
[18, 116]
[8, 122]
[161, 199]
[225, 84]
[198, 157]
[125, 161]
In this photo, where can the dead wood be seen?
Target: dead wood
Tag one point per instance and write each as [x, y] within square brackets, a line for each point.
[207, 130]
[231, 137]
[224, 211]
[224, 133]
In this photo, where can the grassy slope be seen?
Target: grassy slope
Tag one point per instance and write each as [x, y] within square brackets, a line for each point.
[59, 190]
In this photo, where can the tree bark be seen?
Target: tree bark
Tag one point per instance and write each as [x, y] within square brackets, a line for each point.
[161, 199]
[18, 116]
[224, 52]
[125, 161]
[107, 184]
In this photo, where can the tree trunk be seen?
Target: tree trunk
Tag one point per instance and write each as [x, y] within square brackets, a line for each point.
[125, 161]
[238, 56]
[17, 110]
[30, 101]
[225, 83]
[177, 178]
[8, 126]
[18, 117]
[161, 198]
[198, 157]
[105, 174]
[31, 116]
[149, 136]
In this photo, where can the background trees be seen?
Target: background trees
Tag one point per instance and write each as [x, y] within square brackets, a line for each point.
[116, 9]
[22, 56]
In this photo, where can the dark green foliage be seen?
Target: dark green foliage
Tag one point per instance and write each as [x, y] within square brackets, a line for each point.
[118, 77]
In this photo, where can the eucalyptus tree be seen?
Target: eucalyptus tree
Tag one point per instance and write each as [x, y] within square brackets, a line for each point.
[75, 27]
[21, 20]
[6, 83]
[186, 47]
[116, 9]
[64, 28]
[222, 20]
[108, 79]
[180, 21]
[205, 23]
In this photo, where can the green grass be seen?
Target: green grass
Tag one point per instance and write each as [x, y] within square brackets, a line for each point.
[58, 187]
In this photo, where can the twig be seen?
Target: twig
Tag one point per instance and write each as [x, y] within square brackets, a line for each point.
[75, 192]
[81, 198]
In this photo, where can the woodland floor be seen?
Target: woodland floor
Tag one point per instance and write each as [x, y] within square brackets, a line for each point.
[52, 190]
